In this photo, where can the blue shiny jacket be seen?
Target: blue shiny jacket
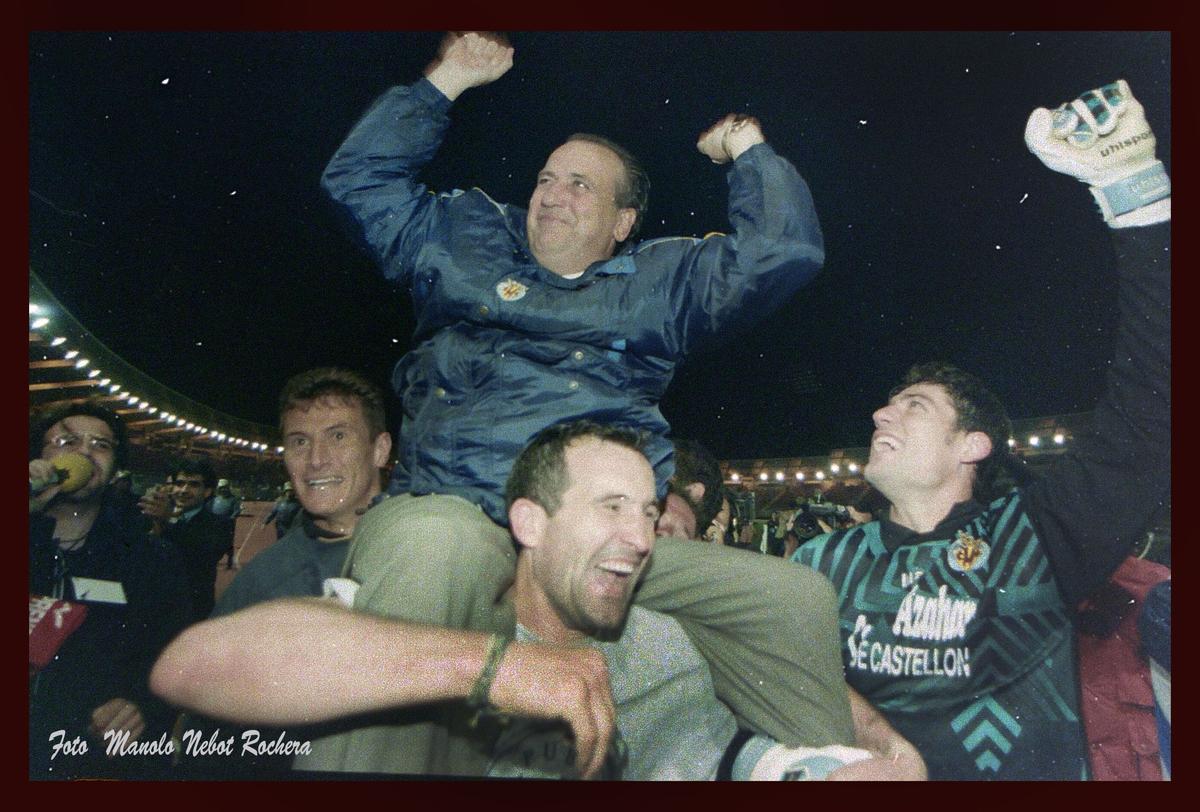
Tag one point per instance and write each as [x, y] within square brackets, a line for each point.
[504, 347]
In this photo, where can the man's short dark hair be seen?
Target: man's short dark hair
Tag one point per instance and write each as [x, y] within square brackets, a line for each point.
[695, 463]
[540, 472]
[196, 466]
[303, 389]
[633, 192]
[41, 421]
[978, 409]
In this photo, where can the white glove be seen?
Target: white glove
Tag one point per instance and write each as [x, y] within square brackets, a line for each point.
[1102, 139]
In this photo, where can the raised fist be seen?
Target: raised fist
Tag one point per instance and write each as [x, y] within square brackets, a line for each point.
[1102, 139]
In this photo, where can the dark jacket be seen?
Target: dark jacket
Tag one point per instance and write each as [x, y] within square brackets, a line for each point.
[111, 654]
[504, 347]
[202, 541]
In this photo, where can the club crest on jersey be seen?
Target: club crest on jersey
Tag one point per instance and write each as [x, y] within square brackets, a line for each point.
[967, 552]
[510, 290]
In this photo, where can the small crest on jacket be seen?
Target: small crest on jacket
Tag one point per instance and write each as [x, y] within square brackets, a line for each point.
[967, 552]
[510, 290]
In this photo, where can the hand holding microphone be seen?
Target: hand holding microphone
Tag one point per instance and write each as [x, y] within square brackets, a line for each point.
[66, 473]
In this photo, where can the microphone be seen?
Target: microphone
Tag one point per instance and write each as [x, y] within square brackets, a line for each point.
[72, 471]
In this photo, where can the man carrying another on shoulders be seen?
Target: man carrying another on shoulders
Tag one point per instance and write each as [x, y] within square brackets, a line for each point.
[531, 317]
[587, 686]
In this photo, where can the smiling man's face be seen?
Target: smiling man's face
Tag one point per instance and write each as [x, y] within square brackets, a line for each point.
[917, 443]
[332, 460]
[573, 216]
[586, 558]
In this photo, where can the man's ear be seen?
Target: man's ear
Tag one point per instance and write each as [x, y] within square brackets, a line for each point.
[977, 446]
[527, 519]
[695, 492]
[625, 220]
[381, 448]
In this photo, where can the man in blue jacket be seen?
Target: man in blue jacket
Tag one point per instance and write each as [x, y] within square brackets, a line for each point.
[528, 318]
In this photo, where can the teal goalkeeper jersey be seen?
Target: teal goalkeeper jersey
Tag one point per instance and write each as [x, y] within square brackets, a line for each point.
[961, 639]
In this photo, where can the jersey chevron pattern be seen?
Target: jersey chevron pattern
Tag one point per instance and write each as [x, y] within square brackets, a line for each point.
[961, 638]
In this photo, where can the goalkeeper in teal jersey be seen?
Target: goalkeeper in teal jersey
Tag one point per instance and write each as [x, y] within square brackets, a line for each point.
[956, 614]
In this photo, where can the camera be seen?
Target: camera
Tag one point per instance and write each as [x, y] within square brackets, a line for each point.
[827, 509]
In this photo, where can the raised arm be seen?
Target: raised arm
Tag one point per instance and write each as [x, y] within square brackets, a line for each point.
[775, 246]
[1099, 497]
[372, 176]
[322, 662]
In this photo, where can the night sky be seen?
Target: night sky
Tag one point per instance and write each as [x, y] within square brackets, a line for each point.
[174, 205]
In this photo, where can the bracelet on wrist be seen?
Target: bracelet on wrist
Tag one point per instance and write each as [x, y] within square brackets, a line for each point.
[480, 691]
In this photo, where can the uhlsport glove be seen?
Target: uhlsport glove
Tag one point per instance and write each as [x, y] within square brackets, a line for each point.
[1102, 139]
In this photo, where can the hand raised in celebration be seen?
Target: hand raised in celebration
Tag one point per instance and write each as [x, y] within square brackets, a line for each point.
[1102, 139]
[730, 137]
[469, 60]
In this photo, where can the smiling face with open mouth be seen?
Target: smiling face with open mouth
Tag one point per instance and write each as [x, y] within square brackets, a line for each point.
[917, 444]
[589, 554]
[332, 460]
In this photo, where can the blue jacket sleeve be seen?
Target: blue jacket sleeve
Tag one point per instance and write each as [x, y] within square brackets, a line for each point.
[776, 247]
[372, 176]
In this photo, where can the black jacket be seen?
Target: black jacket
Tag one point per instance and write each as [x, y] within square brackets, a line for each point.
[111, 654]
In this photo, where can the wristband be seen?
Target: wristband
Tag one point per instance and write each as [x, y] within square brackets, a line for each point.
[497, 645]
[1133, 192]
[764, 759]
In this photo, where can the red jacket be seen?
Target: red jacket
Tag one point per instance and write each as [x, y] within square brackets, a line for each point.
[1117, 702]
